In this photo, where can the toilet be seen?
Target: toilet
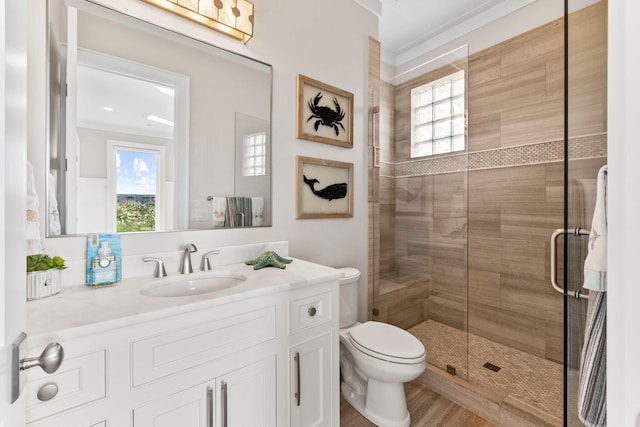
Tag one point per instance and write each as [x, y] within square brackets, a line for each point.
[376, 359]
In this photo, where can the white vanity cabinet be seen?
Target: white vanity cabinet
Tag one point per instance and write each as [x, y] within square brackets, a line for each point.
[262, 360]
[244, 397]
[311, 358]
[80, 382]
[310, 385]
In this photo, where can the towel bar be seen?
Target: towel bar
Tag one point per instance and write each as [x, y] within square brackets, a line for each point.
[554, 267]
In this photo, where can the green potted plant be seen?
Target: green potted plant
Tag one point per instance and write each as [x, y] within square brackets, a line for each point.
[43, 275]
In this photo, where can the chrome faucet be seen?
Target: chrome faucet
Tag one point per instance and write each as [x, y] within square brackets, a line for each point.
[185, 265]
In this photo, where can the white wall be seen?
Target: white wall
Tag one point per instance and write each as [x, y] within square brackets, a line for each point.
[327, 41]
[623, 314]
[522, 20]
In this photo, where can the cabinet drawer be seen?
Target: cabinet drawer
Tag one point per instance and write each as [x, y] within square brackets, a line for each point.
[80, 380]
[192, 345]
[309, 311]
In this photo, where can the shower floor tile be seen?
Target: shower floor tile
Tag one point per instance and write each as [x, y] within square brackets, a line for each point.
[522, 377]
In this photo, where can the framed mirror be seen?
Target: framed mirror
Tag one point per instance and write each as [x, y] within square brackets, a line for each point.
[151, 130]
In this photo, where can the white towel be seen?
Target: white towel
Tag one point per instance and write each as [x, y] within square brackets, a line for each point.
[218, 211]
[257, 211]
[595, 266]
[54, 215]
[592, 384]
[34, 245]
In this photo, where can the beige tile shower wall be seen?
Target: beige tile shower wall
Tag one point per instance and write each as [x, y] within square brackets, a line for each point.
[387, 185]
[588, 70]
[515, 98]
[514, 189]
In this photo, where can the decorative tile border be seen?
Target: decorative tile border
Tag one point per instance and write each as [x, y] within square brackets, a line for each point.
[583, 147]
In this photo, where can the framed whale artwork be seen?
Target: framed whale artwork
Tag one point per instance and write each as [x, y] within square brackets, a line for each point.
[324, 113]
[324, 188]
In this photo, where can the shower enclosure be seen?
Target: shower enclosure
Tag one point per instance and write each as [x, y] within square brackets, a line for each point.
[461, 220]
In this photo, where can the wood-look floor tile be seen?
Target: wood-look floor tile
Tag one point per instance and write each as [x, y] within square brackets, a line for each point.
[427, 409]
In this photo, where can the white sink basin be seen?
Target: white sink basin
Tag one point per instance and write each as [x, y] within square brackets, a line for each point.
[192, 284]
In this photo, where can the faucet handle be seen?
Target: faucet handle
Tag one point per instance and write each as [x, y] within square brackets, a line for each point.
[160, 270]
[205, 265]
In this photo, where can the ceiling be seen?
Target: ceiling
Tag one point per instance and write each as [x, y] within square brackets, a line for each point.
[115, 102]
[409, 28]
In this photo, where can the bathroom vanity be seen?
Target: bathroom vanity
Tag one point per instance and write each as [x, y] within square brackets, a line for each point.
[261, 353]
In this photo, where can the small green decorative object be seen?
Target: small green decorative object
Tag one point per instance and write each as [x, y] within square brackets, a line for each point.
[41, 262]
[269, 259]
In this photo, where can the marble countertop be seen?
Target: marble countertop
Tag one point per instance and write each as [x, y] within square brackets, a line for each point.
[80, 310]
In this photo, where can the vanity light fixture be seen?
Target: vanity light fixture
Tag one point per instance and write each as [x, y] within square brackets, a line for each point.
[108, 109]
[231, 17]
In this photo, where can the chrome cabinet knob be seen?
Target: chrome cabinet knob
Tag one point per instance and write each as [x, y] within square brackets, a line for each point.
[50, 359]
[47, 392]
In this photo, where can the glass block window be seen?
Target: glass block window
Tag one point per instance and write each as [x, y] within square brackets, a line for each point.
[438, 116]
[254, 154]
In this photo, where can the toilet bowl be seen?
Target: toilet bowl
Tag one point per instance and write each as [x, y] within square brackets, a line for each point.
[376, 359]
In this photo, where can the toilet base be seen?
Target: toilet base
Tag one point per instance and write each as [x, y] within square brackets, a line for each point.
[384, 404]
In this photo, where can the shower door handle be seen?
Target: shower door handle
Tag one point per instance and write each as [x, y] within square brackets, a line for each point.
[554, 262]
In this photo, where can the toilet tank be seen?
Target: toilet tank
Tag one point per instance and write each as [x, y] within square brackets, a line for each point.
[349, 296]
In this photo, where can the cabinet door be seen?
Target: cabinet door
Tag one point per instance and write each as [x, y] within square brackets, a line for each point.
[192, 407]
[67, 422]
[310, 385]
[247, 396]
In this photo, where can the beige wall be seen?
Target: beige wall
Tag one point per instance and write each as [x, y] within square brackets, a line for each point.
[510, 196]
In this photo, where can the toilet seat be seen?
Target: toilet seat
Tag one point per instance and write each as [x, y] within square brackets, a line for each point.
[387, 342]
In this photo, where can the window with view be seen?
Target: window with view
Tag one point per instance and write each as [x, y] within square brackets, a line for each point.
[254, 154]
[438, 116]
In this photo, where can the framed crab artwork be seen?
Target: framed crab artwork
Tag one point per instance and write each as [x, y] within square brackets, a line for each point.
[325, 113]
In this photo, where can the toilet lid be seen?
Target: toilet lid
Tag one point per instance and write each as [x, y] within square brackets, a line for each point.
[387, 342]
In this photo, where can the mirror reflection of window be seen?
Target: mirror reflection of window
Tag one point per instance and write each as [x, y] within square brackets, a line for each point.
[136, 190]
[254, 154]
[135, 186]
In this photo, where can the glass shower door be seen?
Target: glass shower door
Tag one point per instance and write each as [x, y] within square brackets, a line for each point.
[585, 154]
[421, 285]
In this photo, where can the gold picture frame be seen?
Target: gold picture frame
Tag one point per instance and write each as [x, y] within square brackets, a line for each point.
[324, 188]
[324, 113]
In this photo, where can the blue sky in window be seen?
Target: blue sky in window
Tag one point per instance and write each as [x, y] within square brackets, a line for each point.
[135, 172]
